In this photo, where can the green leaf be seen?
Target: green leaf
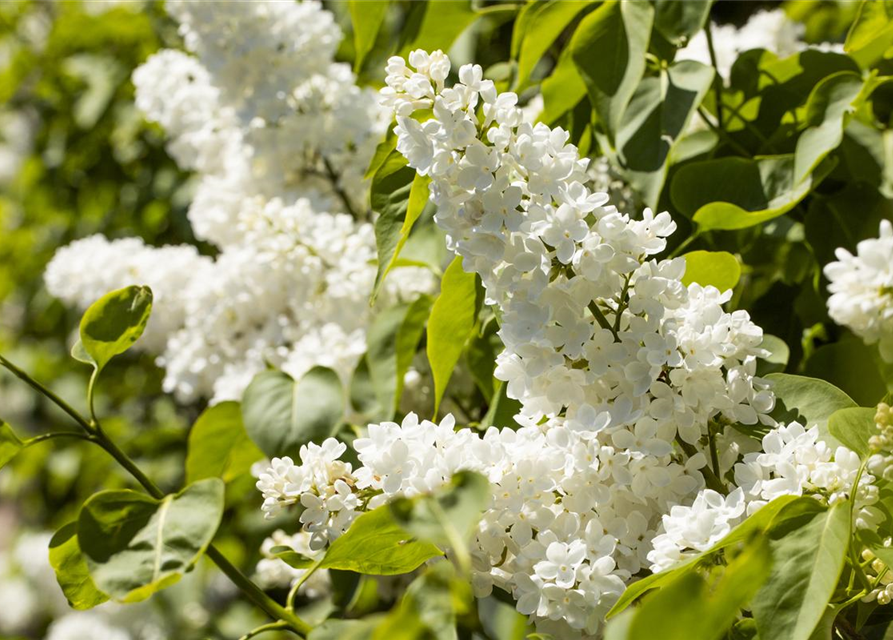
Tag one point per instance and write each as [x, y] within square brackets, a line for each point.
[769, 518]
[450, 515]
[219, 446]
[366, 17]
[736, 193]
[849, 365]
[609, 48]
[114, 322]
[679, 21]
[435, 25]
[391, 344]
[291, 557]
[280, 414]
[562, 90]
[809, 401]
[333, 629]
[376, 545]
[391, 192]
[853, 427]
[502, 409]
[777, 360]
[71, 570]
[807, 562]
[871, 34]
[546, 21]
[10, 444]
[831, 105]
[450, 325]
[135, 545]
[658, 116]
[717, 268]
[689, 608]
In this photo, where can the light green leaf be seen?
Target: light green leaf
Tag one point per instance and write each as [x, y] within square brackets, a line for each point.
[689, 608]
[418, 198]
[450, 325]
[679, 21]
[366, 17]
[450, 515]
[135, 545]
[871, 34]
[390, 192]
[609, 49]
[831, 105]
[71, 570]
[657, 117]
[433, 25]
[736, 193]
[777, 360]
[546, 21]
[113, 323]
[717, 268]
[562, 90]
[376, 545]
[853, 427]
[291, 557]
[10, 444]
[770, 517]
[280, 414]
[807, 562]
[219, 446]
[334, 629]
[809, 401]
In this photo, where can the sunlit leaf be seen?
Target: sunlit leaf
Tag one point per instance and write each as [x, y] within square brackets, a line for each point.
[71, 570]
[219, 446]
[113, 323]
[717, 268]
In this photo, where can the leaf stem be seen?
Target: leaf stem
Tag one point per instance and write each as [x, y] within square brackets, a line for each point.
[717, 79]
[293, 592]
[58, 434]
[714, 455]
[59, 402]
[713, 482]
[602, 320]
[272, 626]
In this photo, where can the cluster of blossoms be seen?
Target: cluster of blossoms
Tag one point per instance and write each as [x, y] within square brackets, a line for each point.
[771, 30]
[279, 136]
[793, 461]
[861, 288]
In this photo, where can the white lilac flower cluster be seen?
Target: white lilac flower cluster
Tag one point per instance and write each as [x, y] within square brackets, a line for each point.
[861, 288]
[771, 30]
[612, 358]
[279, 135]
[793, 461]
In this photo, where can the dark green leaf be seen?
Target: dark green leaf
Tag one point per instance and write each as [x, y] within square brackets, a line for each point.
[679, 21]
[658, 115]
[450, 325]
[717, 268]
[219, 446]
[280, 414]
[113, 323]
[376, 545]
[807, 562]
[135, 545]
[736, 193]
[71, 570]
[849, 365]
[391, 191]
[609, 49]
[433, 25]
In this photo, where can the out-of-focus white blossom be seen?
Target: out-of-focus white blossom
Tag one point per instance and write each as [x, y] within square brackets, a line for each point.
[861, 288]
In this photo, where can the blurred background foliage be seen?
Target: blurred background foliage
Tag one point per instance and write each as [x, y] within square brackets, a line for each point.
[76, 158]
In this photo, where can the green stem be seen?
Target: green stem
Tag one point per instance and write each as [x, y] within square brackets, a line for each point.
[273, 626]
[621, 306]
[717, 79]
[293, 592]
[722, 133]
[714, 455]
[59, 402]
[683, 245]
[713, 482]
[58, 434]
[602, 320]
